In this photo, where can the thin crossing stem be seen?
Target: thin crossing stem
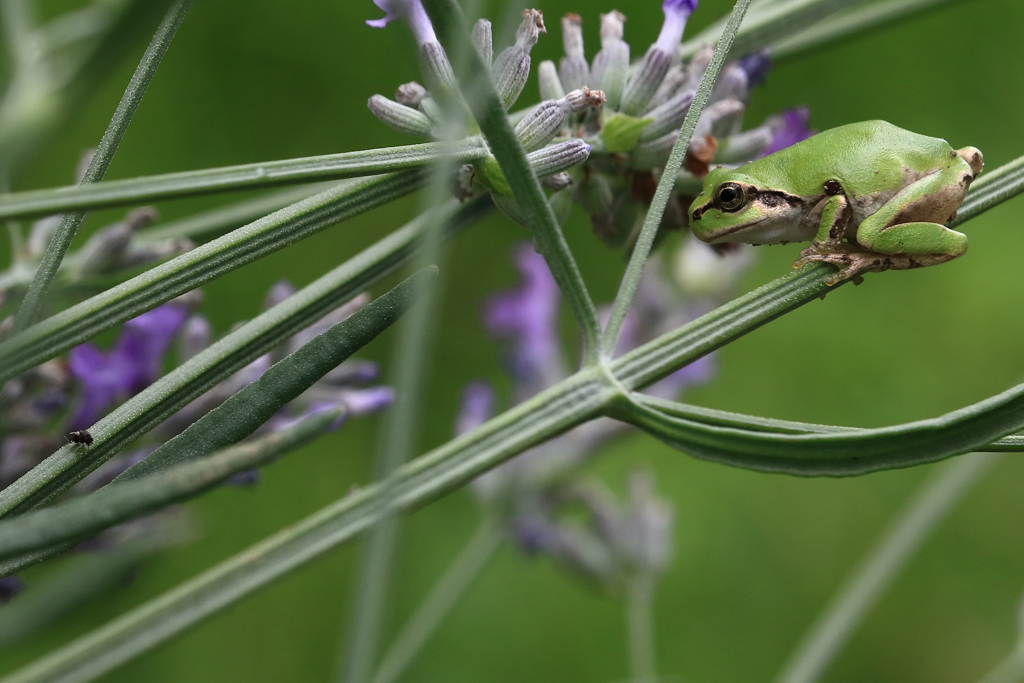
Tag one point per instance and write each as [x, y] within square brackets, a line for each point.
[32, 305]
[642, 249]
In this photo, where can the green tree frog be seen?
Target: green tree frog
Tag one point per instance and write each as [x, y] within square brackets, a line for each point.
[869, 196]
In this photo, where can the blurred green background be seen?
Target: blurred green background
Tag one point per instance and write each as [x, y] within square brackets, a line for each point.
[756, 555]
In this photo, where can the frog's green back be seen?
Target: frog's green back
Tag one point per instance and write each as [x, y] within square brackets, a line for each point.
[869, 154]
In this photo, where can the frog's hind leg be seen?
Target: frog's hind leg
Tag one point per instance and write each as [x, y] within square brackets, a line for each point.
[909, 230]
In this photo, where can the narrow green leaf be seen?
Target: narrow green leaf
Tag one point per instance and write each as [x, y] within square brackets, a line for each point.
[217, 221]
[120, 502]
[848, 22]
[32, 304]
[244, 177]
[71, 327]
[621, 131]
[837, 454]
[666, 185]
[246, 411]
[770, 23]
[176, 389]
[490, 115]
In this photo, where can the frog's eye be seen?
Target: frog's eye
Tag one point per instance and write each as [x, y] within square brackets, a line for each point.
[730, 196]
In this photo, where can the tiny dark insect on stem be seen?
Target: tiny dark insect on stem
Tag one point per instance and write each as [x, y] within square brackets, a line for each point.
[81, 436]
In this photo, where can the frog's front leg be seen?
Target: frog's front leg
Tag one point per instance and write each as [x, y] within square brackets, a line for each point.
[828, 244]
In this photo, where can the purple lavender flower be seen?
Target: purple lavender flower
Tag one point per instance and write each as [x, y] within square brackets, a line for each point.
[411, 11]
[132, 365]
[792, 128]
[756, 65]
[676, 14]
[9, 587]
[529, 315]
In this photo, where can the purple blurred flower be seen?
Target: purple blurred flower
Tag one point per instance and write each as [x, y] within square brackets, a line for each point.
[476, 407]
[9, 587]
[792, 128]
[676, 14]
[410, 10]
[132, 365]
[528, 315]
[756, 65]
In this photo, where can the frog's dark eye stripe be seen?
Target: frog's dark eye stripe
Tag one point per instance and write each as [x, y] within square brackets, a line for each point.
[730, 196]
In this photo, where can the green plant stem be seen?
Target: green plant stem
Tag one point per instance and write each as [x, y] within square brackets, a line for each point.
[849, 22]
[32, 304]
[652, 221]
[770, 23]
[81, 518]
[439, 602]
[489, 112]
[640, 616]
[396, 444]
[113, 193]
[911, 528]
[1010, 670]
[55, 335]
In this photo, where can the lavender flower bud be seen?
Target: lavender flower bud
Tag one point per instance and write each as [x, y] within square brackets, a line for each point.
[746, 145]
[697, 65]
[512, 66]
[720, 119]
[668, 116]
[756, 65]
[41, 233]
[611, 64]
[649, 525]
[432, 109]
[581, 100]
[556, 182]
[278, 292]
[550, 85]
[645, 81]
[436, 70]
[140, 253]
[107, 249]
[412, 12]
[595, 195]
[573, 69]
[410, 94]
[195, 337]
[676, 14]
[540, 125]
[732, 82]
[560, 157]
[790, 128]
[366, 401]
[399, 117]
[483, 41]
[670, 86]
[701, 271]
[654, 153]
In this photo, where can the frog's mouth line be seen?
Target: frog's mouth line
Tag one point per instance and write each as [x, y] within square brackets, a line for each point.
[737, 228]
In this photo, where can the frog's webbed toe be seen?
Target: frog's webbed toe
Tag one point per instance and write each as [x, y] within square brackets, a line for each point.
[850, 261]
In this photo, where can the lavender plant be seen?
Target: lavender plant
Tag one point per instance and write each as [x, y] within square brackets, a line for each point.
[625, 139]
